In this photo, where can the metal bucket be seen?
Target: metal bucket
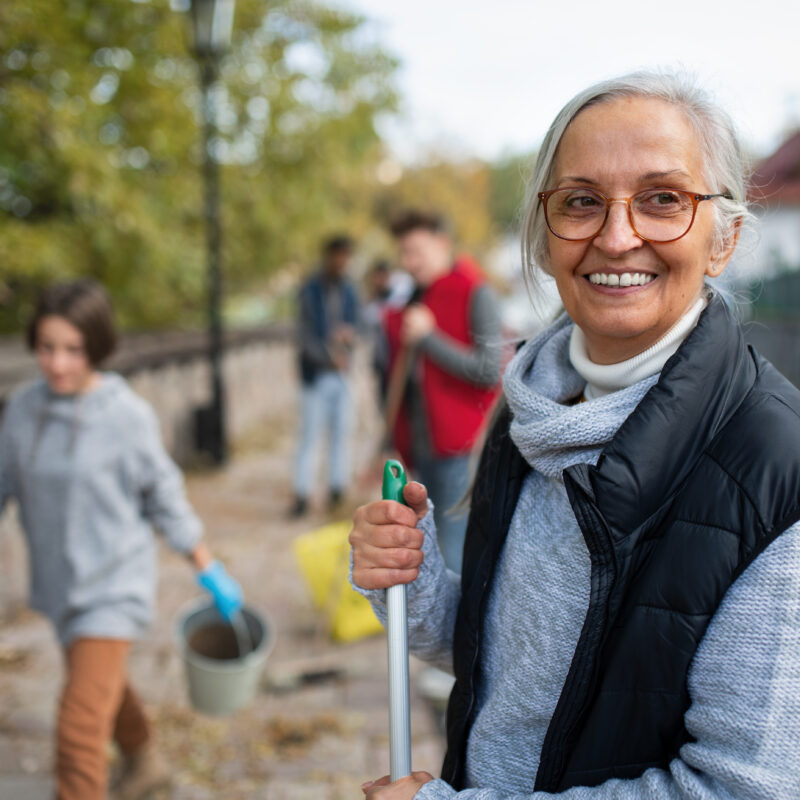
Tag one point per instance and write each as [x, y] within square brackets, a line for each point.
[219, 680]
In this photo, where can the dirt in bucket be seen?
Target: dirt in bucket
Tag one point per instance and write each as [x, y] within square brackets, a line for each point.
[217, 641]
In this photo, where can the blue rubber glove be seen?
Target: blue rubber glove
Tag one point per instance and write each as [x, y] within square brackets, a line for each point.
[223, 588]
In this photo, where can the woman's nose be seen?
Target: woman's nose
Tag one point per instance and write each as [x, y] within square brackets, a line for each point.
[59, 361]
[617, 235]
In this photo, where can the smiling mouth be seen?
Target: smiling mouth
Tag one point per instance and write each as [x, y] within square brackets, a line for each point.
[621, 278]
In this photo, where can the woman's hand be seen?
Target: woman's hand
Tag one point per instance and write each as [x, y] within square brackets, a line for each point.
[200, 556]
[344, 335]
[402, 789]
[387, 545]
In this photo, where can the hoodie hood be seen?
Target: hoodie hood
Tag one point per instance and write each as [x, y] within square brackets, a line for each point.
[75, 410]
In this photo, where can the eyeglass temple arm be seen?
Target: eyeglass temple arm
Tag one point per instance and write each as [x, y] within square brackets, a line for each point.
[726, 195]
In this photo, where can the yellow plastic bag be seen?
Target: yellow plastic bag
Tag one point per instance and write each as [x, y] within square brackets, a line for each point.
[324, 559]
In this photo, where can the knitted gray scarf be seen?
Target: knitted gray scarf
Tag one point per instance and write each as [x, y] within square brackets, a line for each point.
[538, 382]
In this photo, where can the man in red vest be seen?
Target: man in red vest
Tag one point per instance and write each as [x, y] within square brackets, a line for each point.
[445, 360]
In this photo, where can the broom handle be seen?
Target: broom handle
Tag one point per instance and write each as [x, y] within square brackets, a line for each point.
[394, 480]
[398, 380]
[399, 701]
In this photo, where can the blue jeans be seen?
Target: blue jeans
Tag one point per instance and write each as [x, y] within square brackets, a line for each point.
[446, 480]
[324, 409]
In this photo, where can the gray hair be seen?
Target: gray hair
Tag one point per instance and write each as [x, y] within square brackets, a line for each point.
[725, 166]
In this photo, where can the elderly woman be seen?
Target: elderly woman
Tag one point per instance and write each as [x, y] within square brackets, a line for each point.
[626, 622]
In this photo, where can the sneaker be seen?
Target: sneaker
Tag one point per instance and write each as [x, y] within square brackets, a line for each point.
[300, 508]
[143, 772]
[335, 499]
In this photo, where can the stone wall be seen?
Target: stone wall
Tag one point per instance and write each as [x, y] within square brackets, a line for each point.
[171, 372]
[176, 387]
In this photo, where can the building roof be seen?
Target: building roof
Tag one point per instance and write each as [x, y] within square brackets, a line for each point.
[776, 180]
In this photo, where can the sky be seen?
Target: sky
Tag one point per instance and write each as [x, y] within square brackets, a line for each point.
[487, 79]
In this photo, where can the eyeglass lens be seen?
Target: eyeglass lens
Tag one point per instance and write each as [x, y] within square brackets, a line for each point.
[658, 214]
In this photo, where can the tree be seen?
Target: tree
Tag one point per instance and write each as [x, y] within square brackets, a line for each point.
[483, 201]
[507, 190]
[100, 147]
[458, 190]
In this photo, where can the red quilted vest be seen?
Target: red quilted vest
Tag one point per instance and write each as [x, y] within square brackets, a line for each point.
[456, 408]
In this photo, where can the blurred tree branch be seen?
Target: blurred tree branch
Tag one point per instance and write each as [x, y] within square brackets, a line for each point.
[100, 147]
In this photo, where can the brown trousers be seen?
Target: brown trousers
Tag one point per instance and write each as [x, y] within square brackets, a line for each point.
[96, 704]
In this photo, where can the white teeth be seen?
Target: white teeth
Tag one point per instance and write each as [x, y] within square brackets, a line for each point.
[621, 279]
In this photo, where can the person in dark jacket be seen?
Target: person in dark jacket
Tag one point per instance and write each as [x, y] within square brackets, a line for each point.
[625, 624]
[328, 315]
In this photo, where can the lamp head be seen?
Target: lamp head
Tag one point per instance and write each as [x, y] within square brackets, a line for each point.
[212, 21]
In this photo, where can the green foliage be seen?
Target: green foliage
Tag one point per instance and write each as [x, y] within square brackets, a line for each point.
[507, 190]
[459, 190]
[483, 201]
[100, 149]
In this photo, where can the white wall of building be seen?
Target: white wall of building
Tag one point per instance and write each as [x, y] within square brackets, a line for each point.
[769, 247]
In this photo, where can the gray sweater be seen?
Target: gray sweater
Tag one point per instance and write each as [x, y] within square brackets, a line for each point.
[744, 682]
[91, 477]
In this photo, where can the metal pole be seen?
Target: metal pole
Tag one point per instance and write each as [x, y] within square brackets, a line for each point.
[399, 699]
[217, 440]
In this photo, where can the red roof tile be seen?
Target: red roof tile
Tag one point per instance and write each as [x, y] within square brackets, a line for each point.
[776, 180]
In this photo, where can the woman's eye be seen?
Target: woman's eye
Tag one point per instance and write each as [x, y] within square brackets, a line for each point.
[663, 202]
[660, 198]
[578, 201]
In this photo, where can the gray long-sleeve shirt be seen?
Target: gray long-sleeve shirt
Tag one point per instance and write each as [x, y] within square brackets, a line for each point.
[91, 478]
[479, 363]
[744, 682]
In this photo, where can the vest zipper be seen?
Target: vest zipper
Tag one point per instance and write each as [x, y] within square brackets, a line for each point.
[572, 704]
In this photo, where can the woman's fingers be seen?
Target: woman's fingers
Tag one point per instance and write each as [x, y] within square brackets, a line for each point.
[387, 548]
[383, 578]
[371, 557]
[416, 496]
[402, 789]
[387, 536]
[370, 785]
[381, 567]
[387, 512]
[382, 525]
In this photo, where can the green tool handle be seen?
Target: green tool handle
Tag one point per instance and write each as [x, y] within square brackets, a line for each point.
[394, 481]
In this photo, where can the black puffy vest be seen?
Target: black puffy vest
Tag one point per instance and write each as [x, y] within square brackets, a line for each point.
[702, 476]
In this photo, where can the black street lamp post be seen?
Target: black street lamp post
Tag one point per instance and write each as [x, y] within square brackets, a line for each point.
[213, 24]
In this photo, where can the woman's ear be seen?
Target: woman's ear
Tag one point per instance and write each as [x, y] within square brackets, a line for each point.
[545, 263]
[723, 251]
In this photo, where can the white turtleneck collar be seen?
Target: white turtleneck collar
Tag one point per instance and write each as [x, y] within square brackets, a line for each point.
[603, 379]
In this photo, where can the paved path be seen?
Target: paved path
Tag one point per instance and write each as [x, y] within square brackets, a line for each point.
[316, 739]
